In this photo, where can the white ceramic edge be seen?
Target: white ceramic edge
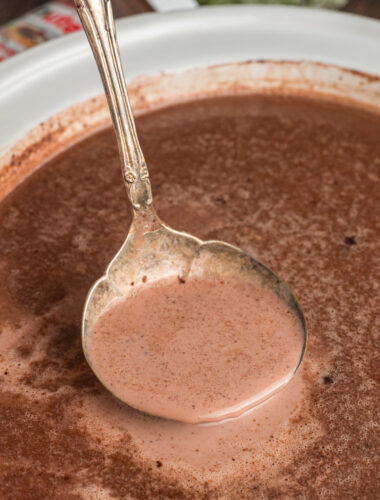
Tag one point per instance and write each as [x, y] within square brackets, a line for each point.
[55, 75]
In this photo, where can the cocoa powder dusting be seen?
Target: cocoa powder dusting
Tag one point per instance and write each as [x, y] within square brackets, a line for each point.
[293, 181]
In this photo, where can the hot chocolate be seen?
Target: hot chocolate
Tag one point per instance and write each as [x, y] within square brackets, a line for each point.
[196, 350]
[300, 179]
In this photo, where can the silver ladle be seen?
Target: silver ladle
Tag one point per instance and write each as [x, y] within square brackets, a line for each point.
[152, 248]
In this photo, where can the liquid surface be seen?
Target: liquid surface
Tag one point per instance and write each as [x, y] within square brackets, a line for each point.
[195, 350]
[291, 180]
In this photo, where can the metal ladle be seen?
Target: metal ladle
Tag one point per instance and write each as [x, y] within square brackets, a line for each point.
[152, 248]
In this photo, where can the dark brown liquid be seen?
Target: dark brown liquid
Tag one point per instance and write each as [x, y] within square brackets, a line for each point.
[293, 181]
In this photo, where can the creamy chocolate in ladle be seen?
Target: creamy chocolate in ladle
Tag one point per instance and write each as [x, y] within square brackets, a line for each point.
[197, 350]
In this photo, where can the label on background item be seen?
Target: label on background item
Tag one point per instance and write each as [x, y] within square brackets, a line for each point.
[44, 23]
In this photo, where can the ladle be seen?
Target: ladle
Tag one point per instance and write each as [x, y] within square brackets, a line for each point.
[152, 248]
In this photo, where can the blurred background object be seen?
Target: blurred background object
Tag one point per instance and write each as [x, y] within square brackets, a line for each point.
[12, 9]
[25, 23]
[335, 4]
[369, 8]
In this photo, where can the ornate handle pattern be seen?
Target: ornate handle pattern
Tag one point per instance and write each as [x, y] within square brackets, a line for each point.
[97, 20]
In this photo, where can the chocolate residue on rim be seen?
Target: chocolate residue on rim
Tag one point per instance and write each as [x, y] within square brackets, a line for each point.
[299, 176]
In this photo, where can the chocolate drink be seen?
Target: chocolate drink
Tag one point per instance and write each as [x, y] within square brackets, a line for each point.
[196, 350]
[300, 178]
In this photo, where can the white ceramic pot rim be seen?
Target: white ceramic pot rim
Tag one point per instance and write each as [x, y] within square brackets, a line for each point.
[49, 78]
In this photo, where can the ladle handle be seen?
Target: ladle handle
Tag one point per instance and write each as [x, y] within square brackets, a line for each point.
[97, 20]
